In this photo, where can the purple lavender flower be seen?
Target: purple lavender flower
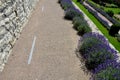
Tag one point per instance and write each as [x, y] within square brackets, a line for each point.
[110, 70]
[95, 50]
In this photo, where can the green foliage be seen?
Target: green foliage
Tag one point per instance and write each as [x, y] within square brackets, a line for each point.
[111, 39]
[88, 43]
[114, 29]
[110, 13]
[66, 6]
[81, 25]
[118, 38]
[71, 13]
[77, 21]
[95, 50]
[83, 28]
[110, 73]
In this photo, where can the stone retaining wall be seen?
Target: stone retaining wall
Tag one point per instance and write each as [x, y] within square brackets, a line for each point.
[13, 14]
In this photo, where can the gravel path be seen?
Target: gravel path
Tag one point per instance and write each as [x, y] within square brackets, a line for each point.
[54, 55]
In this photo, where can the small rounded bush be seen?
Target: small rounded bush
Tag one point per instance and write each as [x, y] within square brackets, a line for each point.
[78, 18]
[83, 28]
[87, 45]
[114, 29]
[110, 13]
[95, 50]
[118, 38]
[109, 70]
[65, 4]
[81, 25]
[71, 13]
[97, 55]
[78, 21]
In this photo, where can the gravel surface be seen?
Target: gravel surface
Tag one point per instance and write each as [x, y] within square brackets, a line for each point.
[54, 55]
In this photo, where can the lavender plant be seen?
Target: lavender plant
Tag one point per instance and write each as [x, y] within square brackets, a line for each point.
[71, 13]
[83, 28]
[96, 50]
[77, 21]
[110, 70]
[97, 36]
[66, 4]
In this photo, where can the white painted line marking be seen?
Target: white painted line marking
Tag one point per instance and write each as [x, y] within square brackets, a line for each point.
[42, 8]
[32, 49]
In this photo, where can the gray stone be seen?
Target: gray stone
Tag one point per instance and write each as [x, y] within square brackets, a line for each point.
[8, 11]
[13, 14]
[2, 30]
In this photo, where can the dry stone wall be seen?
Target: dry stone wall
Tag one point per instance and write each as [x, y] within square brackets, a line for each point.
[13, 14]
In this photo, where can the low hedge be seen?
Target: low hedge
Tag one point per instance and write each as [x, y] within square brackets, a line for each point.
[81, 25]
[71, 13]
[102, 12]
[65, 4]
[118, 38]
[98, 17]
[114, 29]
[77, 21]
[110, 13]
[83, 28]
[95, 50]
[110, 70]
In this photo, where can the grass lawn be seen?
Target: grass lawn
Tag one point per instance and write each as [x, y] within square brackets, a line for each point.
[111, 39]
[115, 10]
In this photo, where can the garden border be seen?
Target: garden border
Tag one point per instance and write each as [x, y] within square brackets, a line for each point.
[95, 29]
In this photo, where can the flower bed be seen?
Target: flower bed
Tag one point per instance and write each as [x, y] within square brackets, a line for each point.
[99, 57]
[98, 17]
[110, 70]
[96, 50]
[102, 12]
[71, 13]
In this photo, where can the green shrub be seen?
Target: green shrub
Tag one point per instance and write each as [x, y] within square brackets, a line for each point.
[78, 18]
[109, 70]
[110, 13]
[83, 28]
[78, 0]
[118, 38]
[81, 25]
[114, 29]
[98, 55]
[95, 50]
[71, 13]
[66, 6]
[77, 21]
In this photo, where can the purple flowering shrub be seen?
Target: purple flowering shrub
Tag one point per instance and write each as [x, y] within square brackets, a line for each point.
[110, 70]
[78, 21]
[71, 13]
[70, 10]
[95, 50]
[83, 28]
[65, 4]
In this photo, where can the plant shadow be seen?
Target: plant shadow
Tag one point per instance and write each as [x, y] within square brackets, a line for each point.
[82, 62]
